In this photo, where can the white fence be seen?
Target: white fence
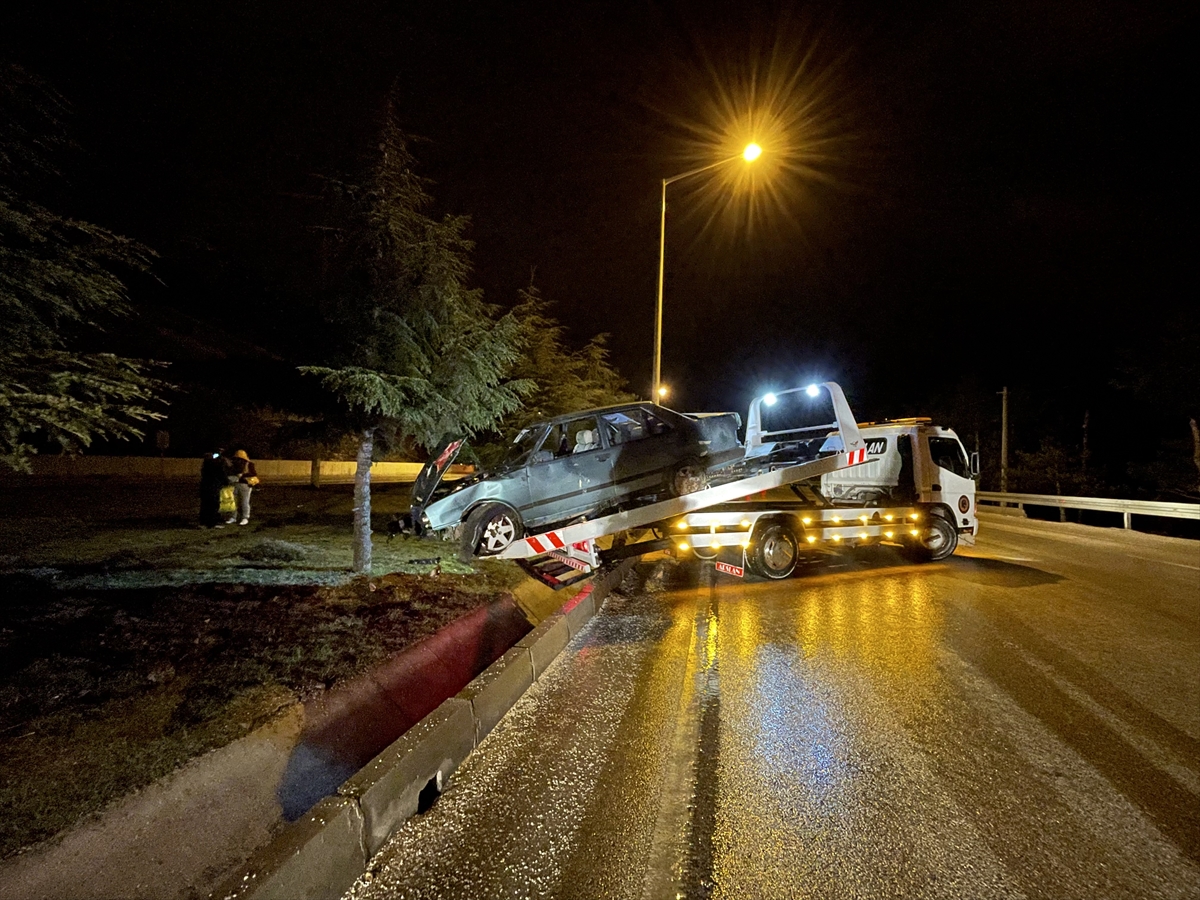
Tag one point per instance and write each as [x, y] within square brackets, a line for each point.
[1128, 508]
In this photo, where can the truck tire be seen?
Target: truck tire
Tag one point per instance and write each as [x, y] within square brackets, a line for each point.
[776, 552]
[937, 541]
[489, 530]
[686, 477]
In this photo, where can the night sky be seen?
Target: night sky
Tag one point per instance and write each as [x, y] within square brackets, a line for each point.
[952, 198]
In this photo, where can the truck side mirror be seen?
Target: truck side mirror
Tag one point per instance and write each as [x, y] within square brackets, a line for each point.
[975, 464]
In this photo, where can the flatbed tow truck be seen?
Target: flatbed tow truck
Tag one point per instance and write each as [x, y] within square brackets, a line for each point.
[826, 486]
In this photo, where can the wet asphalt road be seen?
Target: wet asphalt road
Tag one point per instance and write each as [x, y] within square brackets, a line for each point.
[1022, 720]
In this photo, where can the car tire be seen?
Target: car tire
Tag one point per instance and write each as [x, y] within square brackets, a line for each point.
[687, 477]
[937, 541]
[490, 530]
[776, 552]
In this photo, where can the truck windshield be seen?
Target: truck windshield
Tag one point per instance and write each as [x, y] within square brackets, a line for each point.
[949, 454]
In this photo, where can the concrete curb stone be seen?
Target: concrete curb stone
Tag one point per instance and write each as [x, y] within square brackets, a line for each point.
[324, 853]
[310, 859]
[581, 609]
[545, 642]
[388, 789]
[494, 692]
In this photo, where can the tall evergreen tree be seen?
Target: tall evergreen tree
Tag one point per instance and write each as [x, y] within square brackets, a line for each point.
[58, 278]
[420, 354]
[564, 380]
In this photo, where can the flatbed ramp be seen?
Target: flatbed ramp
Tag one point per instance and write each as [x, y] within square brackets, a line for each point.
[577, 542]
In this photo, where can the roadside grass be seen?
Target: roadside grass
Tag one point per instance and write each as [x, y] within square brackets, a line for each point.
[129, 647]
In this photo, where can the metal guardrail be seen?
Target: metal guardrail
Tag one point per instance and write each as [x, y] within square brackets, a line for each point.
[1128, 508]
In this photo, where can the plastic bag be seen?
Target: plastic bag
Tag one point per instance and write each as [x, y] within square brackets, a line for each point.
[227, 506]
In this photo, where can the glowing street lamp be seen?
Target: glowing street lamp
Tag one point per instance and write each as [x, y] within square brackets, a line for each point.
[751, 153]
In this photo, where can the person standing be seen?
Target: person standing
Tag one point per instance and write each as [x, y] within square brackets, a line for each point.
[247, 478]
[214, 475]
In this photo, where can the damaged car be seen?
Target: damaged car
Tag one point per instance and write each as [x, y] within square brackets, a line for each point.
[573, 467]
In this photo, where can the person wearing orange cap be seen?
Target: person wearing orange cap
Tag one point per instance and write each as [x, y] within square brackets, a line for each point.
[247, 478]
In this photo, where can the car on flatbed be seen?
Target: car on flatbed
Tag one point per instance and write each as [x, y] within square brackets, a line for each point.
[574, 467]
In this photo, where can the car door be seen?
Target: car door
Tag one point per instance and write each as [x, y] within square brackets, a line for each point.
[571, 474]
[645, 448]
[952, 482]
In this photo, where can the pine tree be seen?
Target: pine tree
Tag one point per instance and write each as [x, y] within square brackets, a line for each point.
[58, 277]
[566, 380]
[420, 354]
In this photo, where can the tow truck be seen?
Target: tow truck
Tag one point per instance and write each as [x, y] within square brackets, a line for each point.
[828, 486]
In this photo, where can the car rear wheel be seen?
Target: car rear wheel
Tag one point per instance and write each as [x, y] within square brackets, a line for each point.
[776, 552]
[490, 530]
[937, 540]
[687, 477]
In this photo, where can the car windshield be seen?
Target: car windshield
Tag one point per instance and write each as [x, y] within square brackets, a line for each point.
[524, 444]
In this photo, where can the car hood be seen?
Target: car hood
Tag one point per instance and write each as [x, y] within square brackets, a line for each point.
[431, 475]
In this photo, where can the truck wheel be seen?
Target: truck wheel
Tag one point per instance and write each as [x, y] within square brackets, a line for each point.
[937, 540]
[490, 530]
[776, 552]
[687, 477]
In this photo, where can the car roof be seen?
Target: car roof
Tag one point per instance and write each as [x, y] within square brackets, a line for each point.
[600, 410]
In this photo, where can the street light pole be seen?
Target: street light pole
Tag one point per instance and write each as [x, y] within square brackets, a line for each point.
[662, 256]
[751, 153]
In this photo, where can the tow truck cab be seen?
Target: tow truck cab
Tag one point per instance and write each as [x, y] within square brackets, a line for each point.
[915, 489]
[910, 462]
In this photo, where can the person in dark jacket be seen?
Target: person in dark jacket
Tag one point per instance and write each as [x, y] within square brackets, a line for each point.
[214, 475]
[247, 478]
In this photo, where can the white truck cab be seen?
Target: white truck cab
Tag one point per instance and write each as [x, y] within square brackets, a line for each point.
[910, 461]
[915, 489]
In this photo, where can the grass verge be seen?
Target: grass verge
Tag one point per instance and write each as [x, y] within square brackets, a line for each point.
[127, 649]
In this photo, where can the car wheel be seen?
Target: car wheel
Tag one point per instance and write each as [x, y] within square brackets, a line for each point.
[687, 477]
[937, 540]
[490, 530]
[776, 552]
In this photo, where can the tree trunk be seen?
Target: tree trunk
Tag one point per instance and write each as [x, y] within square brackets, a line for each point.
[314, 473]
[362, 503]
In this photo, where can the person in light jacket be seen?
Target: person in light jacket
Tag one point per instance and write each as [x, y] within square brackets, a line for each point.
[247, 478]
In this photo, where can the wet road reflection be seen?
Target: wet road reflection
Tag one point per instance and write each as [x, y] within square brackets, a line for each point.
[984, 727]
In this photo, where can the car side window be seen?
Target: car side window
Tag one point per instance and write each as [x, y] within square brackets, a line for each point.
[582, 435]
[557, 443]
[624, 426]
[655, 425]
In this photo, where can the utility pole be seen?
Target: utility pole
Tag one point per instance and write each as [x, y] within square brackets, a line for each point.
[1004, 442]
[1085, 453]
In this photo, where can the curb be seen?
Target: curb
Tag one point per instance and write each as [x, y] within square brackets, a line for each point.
[324, 853]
